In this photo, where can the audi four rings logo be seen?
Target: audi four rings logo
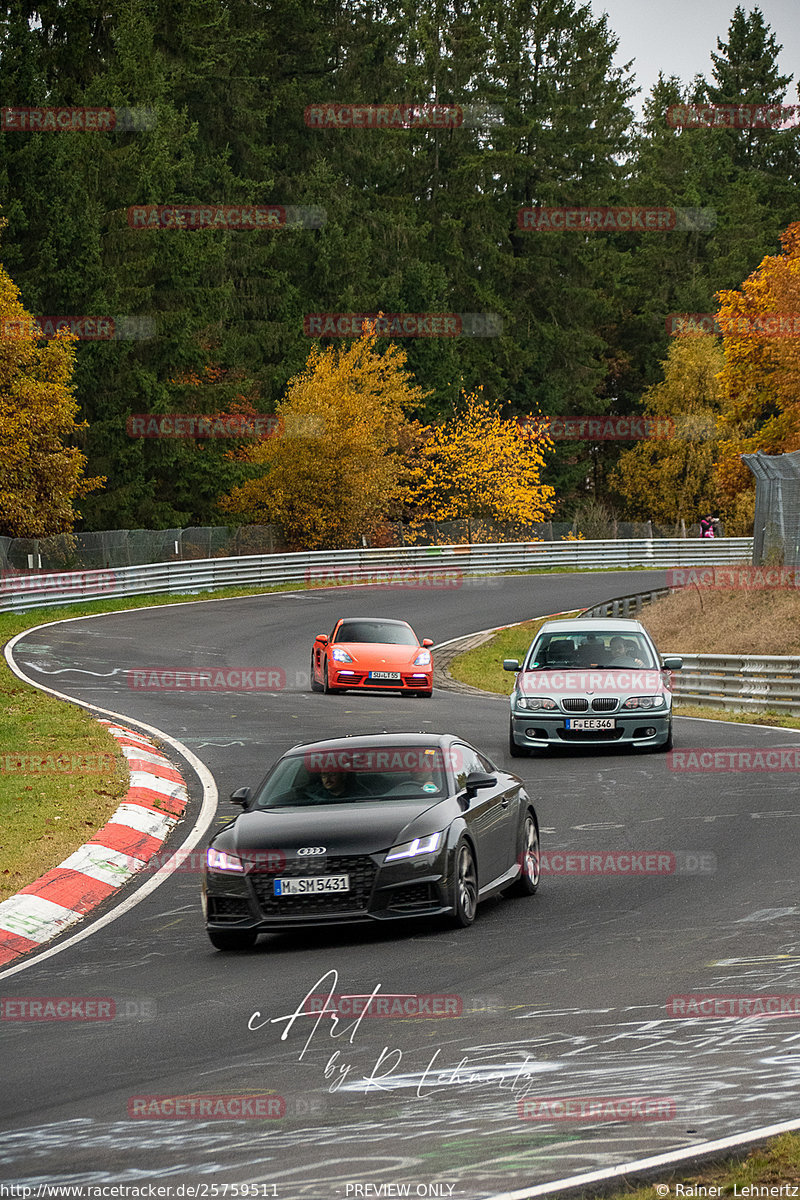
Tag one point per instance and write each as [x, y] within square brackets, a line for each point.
[312, 850]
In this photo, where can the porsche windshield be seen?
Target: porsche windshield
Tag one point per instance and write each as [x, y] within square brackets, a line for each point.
[376, 631]
[348, 776]
[597, 648]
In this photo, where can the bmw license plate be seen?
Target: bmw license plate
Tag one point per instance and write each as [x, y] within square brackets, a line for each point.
[394, 676]
[591, 723]
[312, 886]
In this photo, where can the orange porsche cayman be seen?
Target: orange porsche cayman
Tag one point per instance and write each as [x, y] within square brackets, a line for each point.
[372, 652]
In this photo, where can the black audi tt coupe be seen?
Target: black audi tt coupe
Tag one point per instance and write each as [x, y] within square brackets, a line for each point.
[369, 828]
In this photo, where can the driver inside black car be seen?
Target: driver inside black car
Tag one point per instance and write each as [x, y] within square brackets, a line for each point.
[329, 786]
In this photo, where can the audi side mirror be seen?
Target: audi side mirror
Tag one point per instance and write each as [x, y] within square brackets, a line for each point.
[241, 796]
[477, 780]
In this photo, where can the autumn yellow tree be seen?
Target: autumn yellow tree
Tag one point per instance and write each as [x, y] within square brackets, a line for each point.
[760, 380]
[478, 465]
[331, 475]
[40, 474]
[671, 477]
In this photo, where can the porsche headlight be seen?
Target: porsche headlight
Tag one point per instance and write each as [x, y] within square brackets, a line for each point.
[340, 655]
[426, 845]
[423, 659]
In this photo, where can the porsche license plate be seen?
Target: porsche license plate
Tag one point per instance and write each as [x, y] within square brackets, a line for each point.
[313, 886]
[394, 676]
[591, 723]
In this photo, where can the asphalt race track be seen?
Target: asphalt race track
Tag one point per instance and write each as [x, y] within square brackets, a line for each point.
[561, 995]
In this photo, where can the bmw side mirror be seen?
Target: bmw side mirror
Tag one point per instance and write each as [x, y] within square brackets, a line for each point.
[510, 664]
[241, 796]
[477, 780]
[672, 662]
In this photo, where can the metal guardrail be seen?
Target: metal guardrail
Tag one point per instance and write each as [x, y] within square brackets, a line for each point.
[740, 682]
[626, 606]
[736, 682]
[423, 566]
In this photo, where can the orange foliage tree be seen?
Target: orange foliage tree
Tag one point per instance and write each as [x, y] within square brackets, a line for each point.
[40, 474]
[760, 380]
[331, 476]
[478, 465]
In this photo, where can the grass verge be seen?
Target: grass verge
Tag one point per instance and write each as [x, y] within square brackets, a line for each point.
[768, 1166]
[61, 774]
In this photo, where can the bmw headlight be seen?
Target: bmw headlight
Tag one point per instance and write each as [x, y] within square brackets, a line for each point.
[645, 702]
[423, 659]
[535, 703]
[221, 860]
[340, 655]
[426, 845]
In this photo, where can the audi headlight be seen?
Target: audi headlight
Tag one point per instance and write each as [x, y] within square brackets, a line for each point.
[426, 845]
[645, 702]
[340, 655]
[221, 860]
[423, 659]
[535, 703]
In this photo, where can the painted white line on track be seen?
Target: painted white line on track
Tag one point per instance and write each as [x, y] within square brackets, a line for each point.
[657, 1161]
[206, 815]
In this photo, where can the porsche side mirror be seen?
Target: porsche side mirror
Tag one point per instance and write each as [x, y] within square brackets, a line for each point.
[322, 638]
[427, 643]
[241, 796]
[510, 664]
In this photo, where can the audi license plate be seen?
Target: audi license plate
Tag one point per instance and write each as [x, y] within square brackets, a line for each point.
[591, 723]
[394, 676]
[312, 886]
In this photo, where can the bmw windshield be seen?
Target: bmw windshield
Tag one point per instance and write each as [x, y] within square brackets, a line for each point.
[572, 649]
